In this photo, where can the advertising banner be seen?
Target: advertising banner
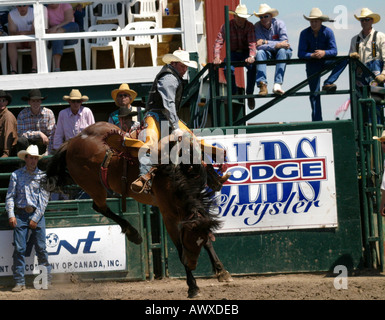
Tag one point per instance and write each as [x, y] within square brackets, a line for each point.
[79, 249]
[280, 180]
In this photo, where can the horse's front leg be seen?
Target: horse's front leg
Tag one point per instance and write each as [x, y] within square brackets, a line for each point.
[131, 233]
[193, 289]
[218, 267]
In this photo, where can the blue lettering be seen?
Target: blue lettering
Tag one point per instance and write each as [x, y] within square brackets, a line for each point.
[292, 174]
[312, 170]
[261, 172]
[238, 174]
[241, 149]
[74, 250]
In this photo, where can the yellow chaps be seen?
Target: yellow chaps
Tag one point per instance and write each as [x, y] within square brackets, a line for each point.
[153, 135]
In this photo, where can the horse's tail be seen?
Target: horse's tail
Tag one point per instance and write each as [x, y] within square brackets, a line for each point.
[56, 174]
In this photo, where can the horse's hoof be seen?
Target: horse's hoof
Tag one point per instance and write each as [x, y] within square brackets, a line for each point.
[224, 276]
[193, 293]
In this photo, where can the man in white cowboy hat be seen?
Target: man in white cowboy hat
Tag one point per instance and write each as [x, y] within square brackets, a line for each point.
[164, 101]
[242, 48]
[315, 43]
[272, 43]
[25, 204]
[123, 97]
[73, 119]
[369, 46]
[35, 124]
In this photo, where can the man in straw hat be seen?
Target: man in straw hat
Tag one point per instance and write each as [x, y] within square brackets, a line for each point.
[123, 97]
[272, 43]
[369, 46]
[35, 124]
[242, 48]
[25, 204]
[8, 126]
[382, 205]
[315, 43]
[164, 101]
[73, 119]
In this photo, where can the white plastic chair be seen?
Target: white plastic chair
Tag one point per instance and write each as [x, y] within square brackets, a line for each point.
[144, 41]
[109, 13]
[76, 48]
[3, 53]
[147, 10]
[102, 43]
[20, 54]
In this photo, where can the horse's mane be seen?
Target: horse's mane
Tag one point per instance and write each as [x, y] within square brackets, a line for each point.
[189, 185]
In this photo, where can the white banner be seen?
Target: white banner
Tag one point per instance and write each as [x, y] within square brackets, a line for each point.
[79, 249]
[280, 180]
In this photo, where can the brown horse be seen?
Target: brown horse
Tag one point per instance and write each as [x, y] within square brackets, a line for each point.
[178, 192]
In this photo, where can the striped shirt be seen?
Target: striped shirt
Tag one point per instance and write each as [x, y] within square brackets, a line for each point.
[25, 190]
[69, 124]
[29, 125]
[241, 39]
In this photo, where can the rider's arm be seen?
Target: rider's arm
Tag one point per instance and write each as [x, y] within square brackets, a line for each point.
[167, 86]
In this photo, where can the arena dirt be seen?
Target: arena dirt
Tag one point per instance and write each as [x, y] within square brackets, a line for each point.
[363, 286]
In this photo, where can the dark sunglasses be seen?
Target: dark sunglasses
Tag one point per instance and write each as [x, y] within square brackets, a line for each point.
[366, 19]
[264, 17]
[123, 95]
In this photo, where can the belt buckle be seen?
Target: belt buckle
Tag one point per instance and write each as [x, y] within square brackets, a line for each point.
[29, 209]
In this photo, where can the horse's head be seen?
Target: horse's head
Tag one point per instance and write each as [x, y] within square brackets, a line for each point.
[194, 233]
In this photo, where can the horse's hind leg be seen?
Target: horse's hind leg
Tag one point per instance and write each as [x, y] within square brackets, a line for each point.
[131, 233]
[218, 267]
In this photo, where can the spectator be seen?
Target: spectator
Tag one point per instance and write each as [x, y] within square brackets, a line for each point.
[79, 13]
[8, 126]
[61, 20]
[35, 124]
[21, 22]
[123, 97]
[73, 119]
[362, 47]
[125, 121]
[242, 48]
[272, 43]
[315, 43]
[25, 204]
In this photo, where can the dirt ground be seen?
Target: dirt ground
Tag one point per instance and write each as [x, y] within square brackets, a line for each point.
[364, 286]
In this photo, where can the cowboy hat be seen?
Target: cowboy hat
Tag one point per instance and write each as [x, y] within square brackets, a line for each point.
[315, 14]
[241, 11]
[382, 138]
[124, 87]
[366, 13]
[6, 95]
[75, 95]
[180, 56]
[33, 94]
[126, 112]
[264, 9]
[32, 150]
